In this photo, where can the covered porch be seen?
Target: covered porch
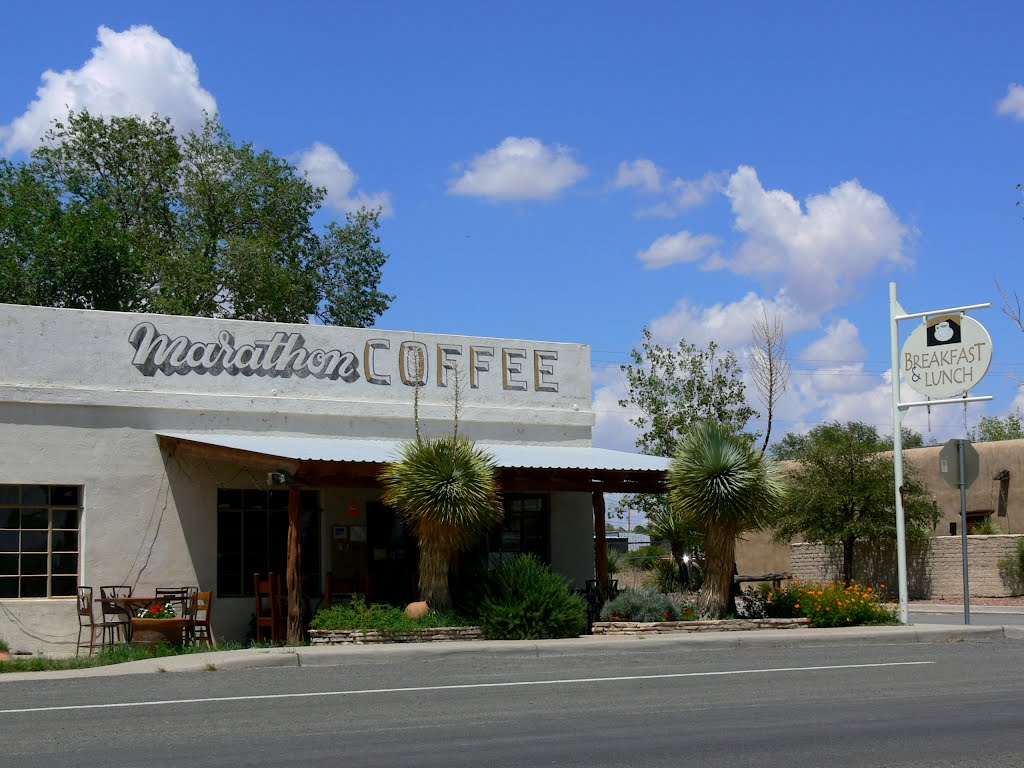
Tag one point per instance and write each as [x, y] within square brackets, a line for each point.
[295, 468]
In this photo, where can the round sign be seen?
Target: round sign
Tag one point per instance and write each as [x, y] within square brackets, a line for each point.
[946, 356]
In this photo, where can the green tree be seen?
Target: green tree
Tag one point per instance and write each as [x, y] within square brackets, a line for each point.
[673, 389]
[991, 428]
[842, 490]
[720, 484]
[122, 214]
[445, 490]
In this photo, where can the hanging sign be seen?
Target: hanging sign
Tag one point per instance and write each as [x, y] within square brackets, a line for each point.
[946, 356]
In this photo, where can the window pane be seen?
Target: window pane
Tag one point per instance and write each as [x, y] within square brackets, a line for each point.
[9, 541]
[62, 586]
[9, 518]
[278, 500]
[33, 586]
[33, 541]
[229, 498]
[10, 494]
[34, 495]
[255, 499]
[65, 518]
[64, 563]
[33, 565]
[64, 495]
[8, 565]
[8, 588]
[310, 500]
[34, 518]
[65, 541]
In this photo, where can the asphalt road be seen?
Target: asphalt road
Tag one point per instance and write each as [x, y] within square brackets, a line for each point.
[949, 704]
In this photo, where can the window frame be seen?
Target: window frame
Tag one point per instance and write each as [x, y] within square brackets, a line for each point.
[24, 506]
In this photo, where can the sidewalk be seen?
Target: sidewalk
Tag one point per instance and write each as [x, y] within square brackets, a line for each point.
[341, 655]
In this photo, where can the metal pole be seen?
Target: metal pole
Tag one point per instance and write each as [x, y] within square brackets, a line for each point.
[897, 454]
[963, 527]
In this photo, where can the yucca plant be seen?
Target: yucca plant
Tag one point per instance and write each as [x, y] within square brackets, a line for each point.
[445, 489]
[723, 486]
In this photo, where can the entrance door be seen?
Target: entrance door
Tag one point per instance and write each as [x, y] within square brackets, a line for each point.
[394, 559]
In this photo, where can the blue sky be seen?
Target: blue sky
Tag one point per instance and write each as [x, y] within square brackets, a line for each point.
[577, 171]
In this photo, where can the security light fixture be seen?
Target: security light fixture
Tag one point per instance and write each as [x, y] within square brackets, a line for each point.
[278, 478]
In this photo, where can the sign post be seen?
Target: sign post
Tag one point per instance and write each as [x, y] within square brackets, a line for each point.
[943, 358]
[959, 463]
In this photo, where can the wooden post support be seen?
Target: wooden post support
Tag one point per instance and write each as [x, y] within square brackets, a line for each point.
[292, 577]
[600, 542]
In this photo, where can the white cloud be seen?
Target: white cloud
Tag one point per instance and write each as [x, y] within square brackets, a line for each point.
[1013, 102]
[324, 167]
[135, 72]
[519, 169]
[612, 428]
[728, 325]
[642, 174]
[677, 248]
[840, 344]
[818, 254]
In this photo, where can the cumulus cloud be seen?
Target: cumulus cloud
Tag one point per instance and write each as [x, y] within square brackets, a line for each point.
[677, 248]
[817, 254]
[728, 325]
[612, 428]
[840, 344]
[135, 72]
[324, 167]
[640, 174]
[519, 169]
[1013, 102]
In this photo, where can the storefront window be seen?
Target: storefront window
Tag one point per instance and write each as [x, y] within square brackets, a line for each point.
[252, 537]
[39, 540]
[526, 528]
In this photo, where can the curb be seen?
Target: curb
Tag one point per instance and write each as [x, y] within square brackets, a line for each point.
[343, 655]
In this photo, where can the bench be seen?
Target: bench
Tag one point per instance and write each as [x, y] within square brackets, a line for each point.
[775, 578]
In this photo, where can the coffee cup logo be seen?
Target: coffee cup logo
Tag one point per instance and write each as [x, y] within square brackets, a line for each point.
[943, 330]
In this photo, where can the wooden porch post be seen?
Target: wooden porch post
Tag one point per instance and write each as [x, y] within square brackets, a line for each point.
[294, 569]
[600, 542]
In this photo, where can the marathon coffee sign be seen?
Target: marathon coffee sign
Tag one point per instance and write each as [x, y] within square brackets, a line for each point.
[946, 356]
[381, 361]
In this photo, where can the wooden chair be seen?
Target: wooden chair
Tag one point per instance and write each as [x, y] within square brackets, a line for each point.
[117, 614]
[198, 628]
[270, 612]
[87, 620]
[178, 597]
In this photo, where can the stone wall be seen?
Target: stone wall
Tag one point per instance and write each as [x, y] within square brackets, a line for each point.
[361, 636]
[673, 627]
[934, 567]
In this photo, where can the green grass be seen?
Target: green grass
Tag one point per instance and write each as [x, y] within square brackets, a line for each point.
[384, 618]
[118, 654]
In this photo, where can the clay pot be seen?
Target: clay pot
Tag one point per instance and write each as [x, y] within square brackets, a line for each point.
[5, 656]
[417, 610]
[147, 633]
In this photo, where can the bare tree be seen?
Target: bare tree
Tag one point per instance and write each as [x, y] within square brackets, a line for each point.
[1011, 308]
[769, 365]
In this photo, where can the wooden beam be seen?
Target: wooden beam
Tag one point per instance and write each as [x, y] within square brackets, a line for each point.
[294, 568]
[600, 542]
[261, 462]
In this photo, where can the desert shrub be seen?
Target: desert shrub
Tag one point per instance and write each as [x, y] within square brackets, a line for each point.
[3, 645]
[616, 561]
[828, 605]
[987, 526]
[1012, 568]
[382, 617]
[524, 600]
[664, 577]
[646, 605]
[645, 558]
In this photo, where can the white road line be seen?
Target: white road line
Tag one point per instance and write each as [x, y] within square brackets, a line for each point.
[512, 684]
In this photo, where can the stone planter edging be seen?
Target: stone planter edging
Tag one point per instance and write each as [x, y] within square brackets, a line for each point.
[361, 636]
[669, 627]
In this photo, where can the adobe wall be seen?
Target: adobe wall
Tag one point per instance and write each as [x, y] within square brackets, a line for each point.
[934, 567]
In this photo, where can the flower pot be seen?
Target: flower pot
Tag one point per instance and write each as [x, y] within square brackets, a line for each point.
[147, 633]
[5, 656]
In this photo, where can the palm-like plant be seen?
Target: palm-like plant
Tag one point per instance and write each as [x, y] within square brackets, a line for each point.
[669, 524]
[720, 484]
[445, 490]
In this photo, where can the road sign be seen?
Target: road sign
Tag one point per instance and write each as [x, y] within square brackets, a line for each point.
[946, 356]
[949, 463]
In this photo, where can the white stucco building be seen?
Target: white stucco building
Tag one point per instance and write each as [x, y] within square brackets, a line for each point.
[138, 449]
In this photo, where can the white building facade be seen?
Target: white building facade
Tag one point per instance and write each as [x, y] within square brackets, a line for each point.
[146, 450]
